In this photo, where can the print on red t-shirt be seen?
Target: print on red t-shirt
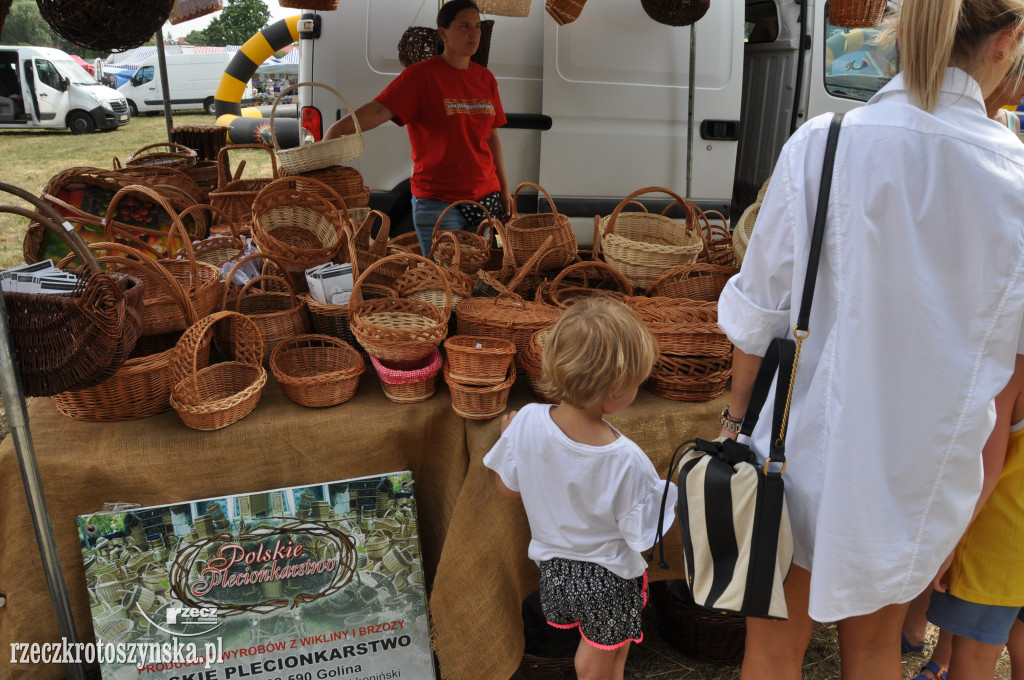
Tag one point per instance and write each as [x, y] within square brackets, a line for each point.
[450, 114]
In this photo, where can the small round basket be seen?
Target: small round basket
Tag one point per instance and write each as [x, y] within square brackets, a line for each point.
[418, 43]
[409, 382]
[697, 633]
[317, 370]
[218, 395]
[321, 154]
[589, 278]
[165, 154]
[697, 281]
[476, 360]
[480, 402]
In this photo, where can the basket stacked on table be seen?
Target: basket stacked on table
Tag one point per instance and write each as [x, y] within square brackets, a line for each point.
[317, 370]
[480, 371]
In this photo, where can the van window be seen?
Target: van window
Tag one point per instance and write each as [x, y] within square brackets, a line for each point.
[858, 61]
[144, 75]
[47, 74]
[761, 22]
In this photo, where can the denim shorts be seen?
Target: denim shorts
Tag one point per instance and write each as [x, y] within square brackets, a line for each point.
[987, 623]
[425, 212]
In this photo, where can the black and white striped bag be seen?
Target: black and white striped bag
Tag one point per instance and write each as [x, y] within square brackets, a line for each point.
[737, 540]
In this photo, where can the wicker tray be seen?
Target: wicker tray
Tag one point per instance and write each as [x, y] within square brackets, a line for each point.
[317, 370]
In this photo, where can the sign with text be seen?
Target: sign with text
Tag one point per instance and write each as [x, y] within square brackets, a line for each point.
[303, 583]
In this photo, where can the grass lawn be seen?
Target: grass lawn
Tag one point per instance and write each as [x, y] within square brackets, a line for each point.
[29, 159]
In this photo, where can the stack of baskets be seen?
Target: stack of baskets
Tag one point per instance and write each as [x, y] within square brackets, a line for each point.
[479, 372]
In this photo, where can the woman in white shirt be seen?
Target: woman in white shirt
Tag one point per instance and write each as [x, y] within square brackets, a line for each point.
[916, 322]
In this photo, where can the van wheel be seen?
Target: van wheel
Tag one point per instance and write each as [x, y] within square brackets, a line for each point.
[132, 108]
[80, 123]
[210, 106]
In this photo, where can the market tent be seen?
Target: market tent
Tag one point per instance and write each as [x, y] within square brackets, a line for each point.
[84, 64]
[277, 67]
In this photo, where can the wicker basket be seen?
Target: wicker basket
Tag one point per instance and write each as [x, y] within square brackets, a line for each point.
[219, 249]
[343, 181]
[717, 238]
[186, 10]
[683, 327]
[103, 25]
[527, 233]
[690, 378]
[377, 544]
[419, 43]
[856, 13]
[507, 316]
[212, 397]
[473, 248]
[697, 281]
[480, 402]
[697, 633]
[164, 154]
[234, 195]
[398, 329]
[72, 340]
[317, 155]
[142, 386]
[505, 8]
[369, 249]
[564, 11]
[317, 370]
[299, 228]
[590, 278]
[532, 362]
[316, 5]
[406, 243]
[409, 382]
[278, 315]
[167, 180]
[677, 12]
[745, 227]
[643, 245]
[478, 360]
[424, 283]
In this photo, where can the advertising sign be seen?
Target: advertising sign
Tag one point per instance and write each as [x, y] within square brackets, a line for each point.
[303, 583]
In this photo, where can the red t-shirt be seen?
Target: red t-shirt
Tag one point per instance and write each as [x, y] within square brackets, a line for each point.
[450, 114]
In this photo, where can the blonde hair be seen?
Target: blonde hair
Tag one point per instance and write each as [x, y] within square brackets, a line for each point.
[598, 345]
[934, 34]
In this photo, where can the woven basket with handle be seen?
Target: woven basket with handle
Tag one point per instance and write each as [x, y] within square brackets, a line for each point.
[590, 278]
[167, 154]
[322, 154]
[474, 251]
[526, 234]
[697, 281]
[235, 195]
[215, 396]
[424, 283]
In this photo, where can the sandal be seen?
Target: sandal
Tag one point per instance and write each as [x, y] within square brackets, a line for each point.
[938, 672]
[906, 647]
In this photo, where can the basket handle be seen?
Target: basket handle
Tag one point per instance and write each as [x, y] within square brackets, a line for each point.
[291, 183]
[241, 261]
[277, 99]
[457, 256]
[356, 298]
[515, 198]
[214, 212]
[610, 226]
[223, 171]
[437, 225]
[531, 264]
[378, 246]
[508, 260]
[184, 361]
[172, 146]
[599, 266]
[350, 245]
[56, 223]
[176, 225]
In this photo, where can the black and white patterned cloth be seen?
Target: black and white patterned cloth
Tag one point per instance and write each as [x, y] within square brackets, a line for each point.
[605, 606]
[475, 215]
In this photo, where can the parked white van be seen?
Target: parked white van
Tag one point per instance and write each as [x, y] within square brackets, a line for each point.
[192, 82]
[613, 101]
[42, 87]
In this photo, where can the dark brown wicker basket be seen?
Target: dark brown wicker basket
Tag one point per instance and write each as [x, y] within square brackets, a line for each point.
[419, 43]
[856, 13]
[106, 25]
[698, 633]
[676, 12]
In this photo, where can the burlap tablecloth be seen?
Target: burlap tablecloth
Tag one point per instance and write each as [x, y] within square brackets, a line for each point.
[159, 460]
[474, 541]
[484, 574]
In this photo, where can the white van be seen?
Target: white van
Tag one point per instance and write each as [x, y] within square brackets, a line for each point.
[602, 106]
[42, 87]
[192, 82]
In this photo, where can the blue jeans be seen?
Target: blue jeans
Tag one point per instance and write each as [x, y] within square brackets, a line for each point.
[425, 212]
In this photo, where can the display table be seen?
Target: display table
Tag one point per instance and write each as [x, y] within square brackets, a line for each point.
[473, 541]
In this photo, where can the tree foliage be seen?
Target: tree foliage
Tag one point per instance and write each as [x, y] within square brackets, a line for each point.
[25, 26]
[238, 22]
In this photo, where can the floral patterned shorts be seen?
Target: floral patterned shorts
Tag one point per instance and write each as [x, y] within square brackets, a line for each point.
[606, 607]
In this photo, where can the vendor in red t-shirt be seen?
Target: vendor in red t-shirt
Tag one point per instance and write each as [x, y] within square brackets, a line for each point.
[452, 110]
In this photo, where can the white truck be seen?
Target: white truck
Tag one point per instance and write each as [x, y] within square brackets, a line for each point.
[613, 101]
[42, 87]
[192, 81]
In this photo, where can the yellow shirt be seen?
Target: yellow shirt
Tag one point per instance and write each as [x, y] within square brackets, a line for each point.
[988, 567]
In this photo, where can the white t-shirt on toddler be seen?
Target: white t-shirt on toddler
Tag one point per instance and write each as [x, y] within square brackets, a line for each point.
[595, 504]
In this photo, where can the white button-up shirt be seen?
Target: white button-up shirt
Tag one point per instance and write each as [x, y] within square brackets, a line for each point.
[915, 323]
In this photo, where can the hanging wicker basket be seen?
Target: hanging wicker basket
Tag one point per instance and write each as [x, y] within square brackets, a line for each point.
[106, 25]
[186, 10]
[419, 43]
[677, 12]
[643, 245]
[505, 8]
[856, 13]
[317, 370]
[564, 11]
[322, 154]
[215, 396]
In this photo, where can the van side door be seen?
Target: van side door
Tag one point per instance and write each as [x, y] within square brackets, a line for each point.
[50, 93]
[144, 82]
